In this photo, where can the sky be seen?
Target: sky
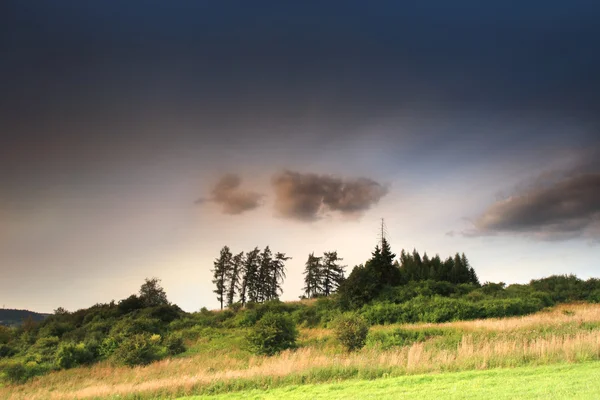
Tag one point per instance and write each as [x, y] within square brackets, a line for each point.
[139, 138]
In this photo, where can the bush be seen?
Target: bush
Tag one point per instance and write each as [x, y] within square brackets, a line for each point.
[351, 331]
[19, 372]
[272, 334]
[7, 351]
[174, 344]
[139, 349]
[43, 350]
[71, 355]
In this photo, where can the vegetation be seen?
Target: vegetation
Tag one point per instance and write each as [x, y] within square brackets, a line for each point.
[273, 334]
[389, 317]
[217, 359]
[255, 277]
[323, 275]
[531, 383]
[351, 331]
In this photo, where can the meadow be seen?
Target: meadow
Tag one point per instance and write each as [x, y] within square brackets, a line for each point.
[217, 361]
[573, 381]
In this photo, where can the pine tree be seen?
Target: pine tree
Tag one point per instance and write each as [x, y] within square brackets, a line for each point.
[233, 276]
[249, 290]
[264, 275]
[222, 265]
[332, 273]
[383, 263]
[277, 275]
[312, 276]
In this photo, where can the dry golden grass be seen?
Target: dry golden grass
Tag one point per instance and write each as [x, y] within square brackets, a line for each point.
[185, 374]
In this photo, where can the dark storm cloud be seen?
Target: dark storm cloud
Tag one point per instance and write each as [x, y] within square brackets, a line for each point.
[305, 196]
[568, 208]
[231, 197]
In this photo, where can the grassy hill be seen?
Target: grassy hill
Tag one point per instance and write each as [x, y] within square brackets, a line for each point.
[418, 327]
[217, 361]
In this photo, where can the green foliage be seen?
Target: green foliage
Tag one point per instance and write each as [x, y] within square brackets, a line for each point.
[71, 355]
[351, 331]
[139, 349]
[362, 286]
[130, 304]
[7, 351]
[43, 350]
[272, 334]
[21, 372]
[174, 344]
[152, 294]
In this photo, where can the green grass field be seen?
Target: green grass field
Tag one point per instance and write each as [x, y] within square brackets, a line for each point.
[563, 381]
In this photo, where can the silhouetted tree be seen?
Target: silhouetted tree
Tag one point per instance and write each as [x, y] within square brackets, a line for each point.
[221, 267]
[152, 294]
[312, 276]
[332, 274]
[233, 276]
[277, 276]
[250, 282]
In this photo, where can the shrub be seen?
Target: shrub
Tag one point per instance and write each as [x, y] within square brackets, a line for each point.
[7, 351]
[43, 350]
[19, 372]
[71, 355]
[351, 331]
[174, 344]
[272, 334]
[140, 349]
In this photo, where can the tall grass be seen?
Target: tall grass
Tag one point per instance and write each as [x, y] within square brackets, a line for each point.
[568, 333]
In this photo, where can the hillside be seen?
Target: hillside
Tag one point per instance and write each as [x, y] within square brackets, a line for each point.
[217, 361]
[9, 317]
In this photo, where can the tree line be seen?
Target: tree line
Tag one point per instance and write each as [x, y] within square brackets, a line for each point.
[256, 277]
[252, 277]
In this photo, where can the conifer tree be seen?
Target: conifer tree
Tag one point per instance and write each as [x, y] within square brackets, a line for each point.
[232, 277]
[382, 262]
[332, 273]
[250, 287]
[312, 276]
[264, 275]
[221, 267]
[276, 276]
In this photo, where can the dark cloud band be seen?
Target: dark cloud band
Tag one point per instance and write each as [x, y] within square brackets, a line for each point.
[567, 209]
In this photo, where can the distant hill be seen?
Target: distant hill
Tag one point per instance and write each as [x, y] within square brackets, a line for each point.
[16, 317]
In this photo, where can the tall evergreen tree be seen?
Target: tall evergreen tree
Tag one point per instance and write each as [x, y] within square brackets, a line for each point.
[250, 286]
[276, 276]
[312, 276]
[332, 273]
[264, 275]
[222, 265]
[382, 261]
[232, 277]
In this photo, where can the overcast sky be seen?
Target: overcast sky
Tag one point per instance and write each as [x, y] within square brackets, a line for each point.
[138, 138]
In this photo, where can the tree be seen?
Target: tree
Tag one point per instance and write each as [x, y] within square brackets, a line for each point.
[312, 276]
[233, 276]
[152, 294]
[276, 276]
[361, 287]
[264, 281]
[249, 286]
[332, 274]
[221, 267]
[382, 262]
